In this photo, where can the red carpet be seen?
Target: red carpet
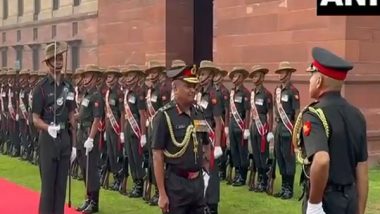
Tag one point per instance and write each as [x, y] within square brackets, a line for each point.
[12, 194]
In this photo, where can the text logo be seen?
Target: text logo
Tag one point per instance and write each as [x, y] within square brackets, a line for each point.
[348, 7]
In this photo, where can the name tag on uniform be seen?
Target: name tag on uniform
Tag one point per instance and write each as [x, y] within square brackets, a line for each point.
[132, 99]
[285, 98]
[112, 102]
[70, 96]
[259, 102]
[60, 101]
[85, 102]
[238, 99]
[153, 98]
[203, 104]
[22, 95]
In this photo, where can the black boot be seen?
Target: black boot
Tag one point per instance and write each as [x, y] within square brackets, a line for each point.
[283, 182]
[154, 200]
[264, 182]
[288, 194]
[213, 208]
[91, 208]
[83, 206]
[259, 186]
[137, 193]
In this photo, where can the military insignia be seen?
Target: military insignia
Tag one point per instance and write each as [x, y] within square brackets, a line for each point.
[203, 104]
[307, 128]
[214, 101]
[112, 102]
[259, 102]
[200, 126]
[163, 98]
[85, 102]
[238, 99]
[132, 99]
[60, 101]
[153, 98]
[285, 98]
[296, 96]
[70, 96]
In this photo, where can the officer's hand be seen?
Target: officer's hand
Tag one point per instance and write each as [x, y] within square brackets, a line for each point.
[163, 203]
[143, 140]
[53, 130]
[89, 144]
[270, 137]
[73, 155]
[226, 131]
[218, 152]
[314, 208]
[122, 139]
[246, 134]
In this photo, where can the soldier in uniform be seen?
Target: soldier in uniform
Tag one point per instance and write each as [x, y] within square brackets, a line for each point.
[53, 109]
[3, 121]
[261, 125]
[238, 124]
[157, 96]
[134, 126]
[332, 136]
[211, 103]
[22, 101]
[287, 104]
[179, 139]
[114, 110]
[91, 112]
[13, 114]
[33, 134]
[221, 88]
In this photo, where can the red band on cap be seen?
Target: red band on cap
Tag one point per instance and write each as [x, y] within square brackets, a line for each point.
[333, 73]
[187, 73]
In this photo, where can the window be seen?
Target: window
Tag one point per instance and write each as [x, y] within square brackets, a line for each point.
[5, 9]
[20, 7]
[53, 31]
[74, 57]
[4, 58]
[75, 28]
[76, 2]
[35, 34]
[36, 58]
[19, 53]
[37, 9]
[55, 4]
[18, 35]
[4, 37]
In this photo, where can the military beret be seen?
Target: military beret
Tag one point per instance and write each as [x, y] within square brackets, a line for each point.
[186, 73]
[329, 64]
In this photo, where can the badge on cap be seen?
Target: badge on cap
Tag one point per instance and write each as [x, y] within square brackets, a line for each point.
[307, 128]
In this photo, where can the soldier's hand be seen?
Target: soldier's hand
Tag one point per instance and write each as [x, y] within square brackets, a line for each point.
[122, 139]
[218, 152]
[246, 134]
[143, 140]
[314, 208]
[270, 137]
[163, 202]
[53, 130]
[89, 144]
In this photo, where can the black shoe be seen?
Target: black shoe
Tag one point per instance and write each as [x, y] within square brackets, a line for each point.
[138, 190]
[115, 186]
[83, 206]
[238, 183]
[279, 194]
[154, 200]
[91, 208]
[287, 194]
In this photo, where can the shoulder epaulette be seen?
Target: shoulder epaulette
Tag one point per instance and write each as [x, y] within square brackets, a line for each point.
[298, 125]
[167, 107]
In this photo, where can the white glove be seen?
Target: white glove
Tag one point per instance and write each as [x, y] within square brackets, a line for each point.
[73, 155]
[104, 136]
[217, 152]
[270, 137]
[17, 117]
[89, 144]
[122, 139]
[143, 140]
[314, 208]
[226, 131]
[53, 130]
[246, 134]
[206, 178]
